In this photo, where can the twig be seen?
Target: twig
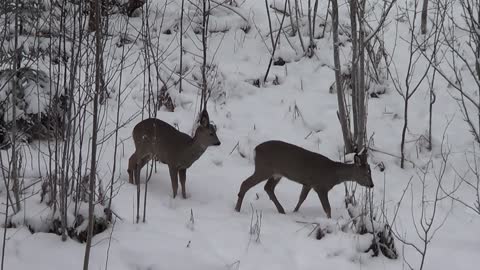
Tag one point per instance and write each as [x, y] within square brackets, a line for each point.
[235, 147]
[389, 154]
[275, 45]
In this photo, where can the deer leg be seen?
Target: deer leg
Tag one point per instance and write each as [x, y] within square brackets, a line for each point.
[303, 196]
[250, 182]
[183, 177]
[323, 195]
[135, 167]
[174, 178]
[144, 161]
[270, 189]
[136, 173]
[132, 166]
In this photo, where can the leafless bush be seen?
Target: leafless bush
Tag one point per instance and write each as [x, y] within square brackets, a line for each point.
[460, 72]
[414, 78]
[425, 218]
[191, 221]
[469, 180]
[39, 117]
[255, 225]
[362, 48]
[46, 64]
[366, 219]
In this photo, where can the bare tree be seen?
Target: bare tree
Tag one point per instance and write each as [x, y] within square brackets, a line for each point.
[357, 15]
[5, 221]
[204, 68]
[180, 80]
[360, 43]
[423, 26]
[430, 48]
[93, 169]
[312, 14]
[470, 180]
[15, 85]
[298, 14]
[277, 40]
[93, 15]
[425, 218]
[436, 56]
[117, 127]
[411, 83]
[342, 109]
[459, 63]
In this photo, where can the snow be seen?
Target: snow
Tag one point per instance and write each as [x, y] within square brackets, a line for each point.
[301, 111]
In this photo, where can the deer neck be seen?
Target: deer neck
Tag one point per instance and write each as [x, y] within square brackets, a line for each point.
[345, 172]
[191, 153]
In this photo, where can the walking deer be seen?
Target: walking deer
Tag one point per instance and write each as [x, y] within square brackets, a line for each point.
[277, 159]
[155, 139]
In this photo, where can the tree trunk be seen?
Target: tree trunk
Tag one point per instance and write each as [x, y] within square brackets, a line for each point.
[430, 112]
[180, 86]
[423, 27]
[92, 16]
[93, 169]
[205, 15]
[361, 117]
[16, 65]
[354, 69]
[297, 14]
[342, 112]
[134, 4]
[477, 52]
[404, 132]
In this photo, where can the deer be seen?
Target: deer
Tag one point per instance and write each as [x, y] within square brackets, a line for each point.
[276, 159]
[157, 140]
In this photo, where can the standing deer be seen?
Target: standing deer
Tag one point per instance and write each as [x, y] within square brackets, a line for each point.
[155, 139]
[275, 159]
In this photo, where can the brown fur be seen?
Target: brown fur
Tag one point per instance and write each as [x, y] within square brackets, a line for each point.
[155, 139]
[277, 159]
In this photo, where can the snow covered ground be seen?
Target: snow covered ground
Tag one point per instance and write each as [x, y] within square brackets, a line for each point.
[299, 110]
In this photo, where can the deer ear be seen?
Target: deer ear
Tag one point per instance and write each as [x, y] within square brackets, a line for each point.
[358, 160]
[204, 119]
